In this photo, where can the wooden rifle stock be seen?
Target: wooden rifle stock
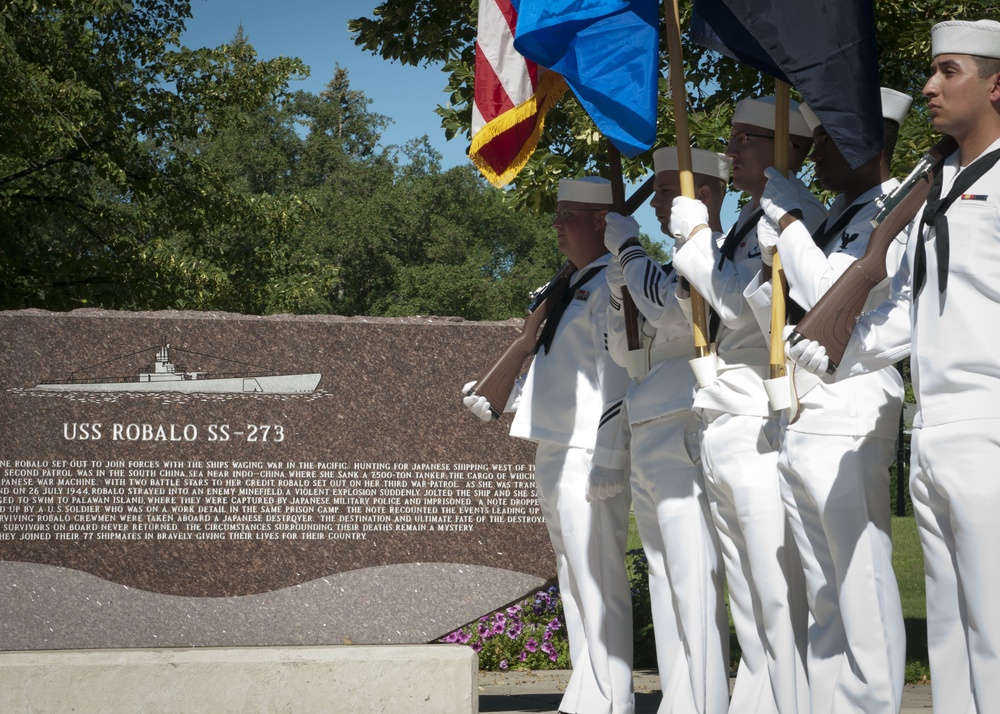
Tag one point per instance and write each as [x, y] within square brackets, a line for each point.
[497, 384]
[831, 320]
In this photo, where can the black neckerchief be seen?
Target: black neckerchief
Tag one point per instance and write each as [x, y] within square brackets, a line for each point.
[822, 237]
[552, 321]
[729, 245]
[735, 237]
[934, 215]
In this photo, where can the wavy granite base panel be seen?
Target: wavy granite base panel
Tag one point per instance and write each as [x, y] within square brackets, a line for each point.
[46, 607]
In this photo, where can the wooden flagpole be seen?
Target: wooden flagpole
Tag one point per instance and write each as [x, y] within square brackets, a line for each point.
[779, 287]
[678, 93]
[629, 311]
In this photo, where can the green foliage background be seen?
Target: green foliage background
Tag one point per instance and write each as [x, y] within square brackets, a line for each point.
[136, 173]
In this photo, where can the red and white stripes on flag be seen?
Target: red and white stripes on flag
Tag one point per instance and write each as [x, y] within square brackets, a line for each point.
[512, 95]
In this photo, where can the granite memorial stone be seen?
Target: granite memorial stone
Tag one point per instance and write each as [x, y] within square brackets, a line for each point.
[178, 479]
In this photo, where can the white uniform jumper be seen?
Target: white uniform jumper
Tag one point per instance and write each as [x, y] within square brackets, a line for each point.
[668, 496]
[834, 465]
[955, 446]
[570, 406]
[739, 458]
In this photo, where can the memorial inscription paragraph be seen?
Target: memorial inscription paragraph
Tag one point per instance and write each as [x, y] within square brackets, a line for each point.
[221, 500]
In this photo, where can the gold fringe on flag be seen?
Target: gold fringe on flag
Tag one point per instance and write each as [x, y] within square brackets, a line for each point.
[551, 87]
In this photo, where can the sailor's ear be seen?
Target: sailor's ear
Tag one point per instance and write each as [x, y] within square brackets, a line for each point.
[995, 91]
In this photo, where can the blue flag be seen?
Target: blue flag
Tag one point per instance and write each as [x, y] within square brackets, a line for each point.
[824, 48]
[608, 52]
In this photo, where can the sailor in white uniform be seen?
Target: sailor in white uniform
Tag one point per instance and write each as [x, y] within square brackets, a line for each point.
[739, 438]
[835, 454]
[571, 407]
[943, 310]
[668, 493]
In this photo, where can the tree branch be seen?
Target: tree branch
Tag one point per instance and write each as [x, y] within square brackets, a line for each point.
[51, 162]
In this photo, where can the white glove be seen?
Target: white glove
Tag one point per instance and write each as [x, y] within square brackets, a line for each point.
[805, 195]
[604, 482]
[767, 240]
[781, 195]
[478, 405]
[809, 355]
[481, 407]
[686, 214]
[615, 277]
[619, 229]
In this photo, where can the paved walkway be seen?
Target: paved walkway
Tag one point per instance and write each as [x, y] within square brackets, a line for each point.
[540, 691]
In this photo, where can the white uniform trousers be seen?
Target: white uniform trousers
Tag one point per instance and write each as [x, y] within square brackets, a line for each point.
[956, 500]
[685, 578]
[589, 540]
[836, 490]
[766, 588]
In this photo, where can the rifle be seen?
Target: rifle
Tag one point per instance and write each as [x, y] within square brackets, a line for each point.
[497, 383]
[831, 320]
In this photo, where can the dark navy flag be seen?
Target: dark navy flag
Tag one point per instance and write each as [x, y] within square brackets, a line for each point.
[608, 52]
[824, 48]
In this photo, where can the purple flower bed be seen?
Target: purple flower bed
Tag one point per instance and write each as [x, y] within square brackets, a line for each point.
[528, 635]
[531, 634]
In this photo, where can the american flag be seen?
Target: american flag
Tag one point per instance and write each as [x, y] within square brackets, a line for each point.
[512, 95]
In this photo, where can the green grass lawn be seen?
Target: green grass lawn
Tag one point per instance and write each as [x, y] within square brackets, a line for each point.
[907, 560]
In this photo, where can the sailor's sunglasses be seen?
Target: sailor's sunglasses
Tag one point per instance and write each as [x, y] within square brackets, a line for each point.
[565, 215]
[741, 138]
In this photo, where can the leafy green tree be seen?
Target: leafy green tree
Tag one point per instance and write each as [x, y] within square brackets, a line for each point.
[96, 159]
[409, 239]
[473, 256]
[380, 231]
[138, 174]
